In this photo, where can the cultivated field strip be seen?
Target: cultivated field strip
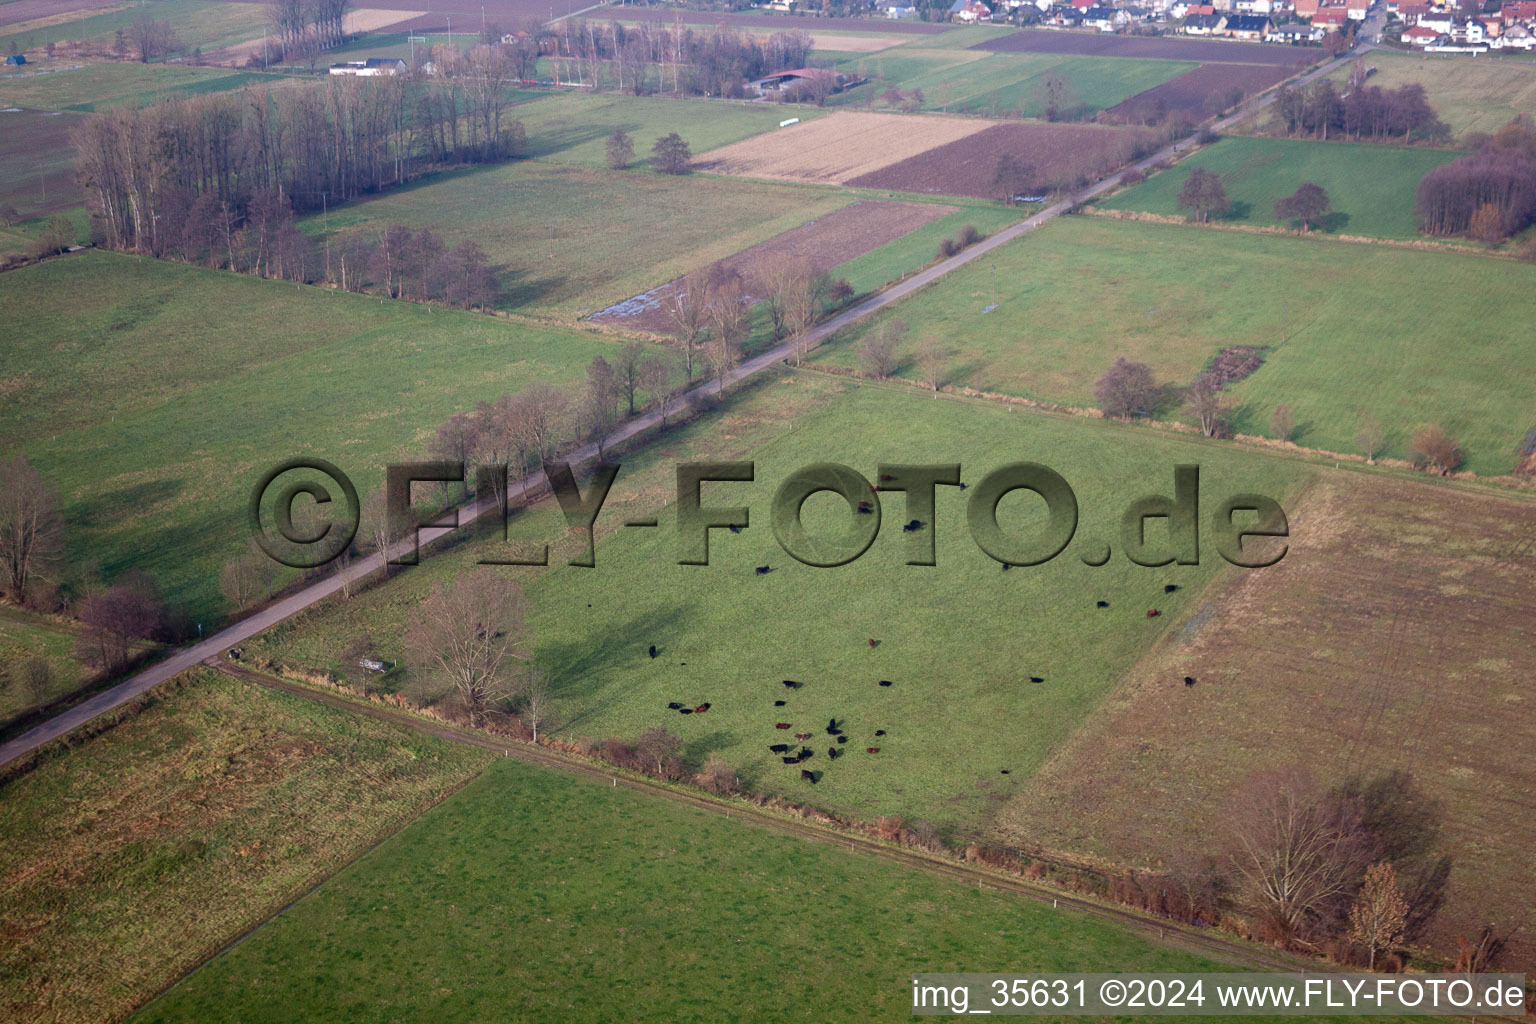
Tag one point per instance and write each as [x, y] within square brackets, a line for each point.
[833, 150]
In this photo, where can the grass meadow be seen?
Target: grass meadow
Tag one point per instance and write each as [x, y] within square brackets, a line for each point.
[24, 636]
[573, 127]
[973, 81]
[134, 855]
[1371, 188]
[574, 239]
[200, 24]
[535, 896]
[1409, 336]
[959, 641]
[1469, 95]
[100, 85]
[153, 395]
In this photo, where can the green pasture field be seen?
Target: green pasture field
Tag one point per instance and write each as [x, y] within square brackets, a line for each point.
[24, 636]
[998, 84]
[959, 641]
[535, 896]
[1470, 95]
[959, 38]
[1371, 187]
[100, 85]
[1354, 327]
[574, 240]
[573, 127]
[153, 396]
[892, 260]
[136, 854]
[198, 23]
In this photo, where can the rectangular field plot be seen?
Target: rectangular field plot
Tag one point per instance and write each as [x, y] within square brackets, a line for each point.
[1201, 92]
[1370, 188]
[1360, 332]
[959, 641]
[1012, 85]
[1058, 156]
[153, 396]
[573, 128]
[198, 23]
[824, 244]
[134, 855]
[93, 86]
[836, 149]
[629, 908]
[1097, 44]
[37, 163]
[1395, 634]
[571, 240]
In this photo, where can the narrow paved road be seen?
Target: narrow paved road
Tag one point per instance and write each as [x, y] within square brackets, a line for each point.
[270, 616]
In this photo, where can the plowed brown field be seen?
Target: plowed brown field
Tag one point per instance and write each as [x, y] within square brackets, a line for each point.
[1061, 154]
[1194, 89]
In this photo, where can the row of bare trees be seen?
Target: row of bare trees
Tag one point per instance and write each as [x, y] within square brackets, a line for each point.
[676, 58]
[306, 27]
[1489, 195]
[315, 145]
[1363, 112]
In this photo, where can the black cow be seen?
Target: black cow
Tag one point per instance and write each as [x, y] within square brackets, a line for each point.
[673, 706]
[831, 727]
[1037, 679]
[806, 753]
[685, 711]
[1007, 566]
[780, 748]
[791, 684]
[808, 775]
[653, 650]
[1169, 588]
[735, 529]
[780, 703]
[879, 732]
[865, 510]
[764, 570]
[885, 682]
[791, 760]
[832, 753]
[1189, 680]
[1103, 604]
[842, 739]
[1005, 771]
[916, 524]
[963, 486]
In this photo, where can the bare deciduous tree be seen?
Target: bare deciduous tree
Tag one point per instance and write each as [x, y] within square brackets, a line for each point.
[1435, 450]
[1380, 913]
[663, 382]
[716, 776]
[933, 361]
[534, 697]
[1210, 406]
[686, 308]
[661, 753]
[31, 531]
[1297, 850]
[1370, 436]
[470, 633]
[1283, 422]
[621, 150]
[151, 37]
[628, 370]
[878, 351]
[1126, 390]
[117, 618]
[240, 580]
[36, 677]
[385, 526]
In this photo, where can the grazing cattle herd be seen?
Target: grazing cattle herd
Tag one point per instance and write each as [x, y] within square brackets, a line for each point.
[836, 728]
